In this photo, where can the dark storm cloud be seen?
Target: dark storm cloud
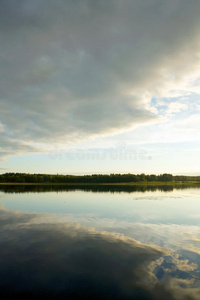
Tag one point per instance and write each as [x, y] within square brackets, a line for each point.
[72, 69]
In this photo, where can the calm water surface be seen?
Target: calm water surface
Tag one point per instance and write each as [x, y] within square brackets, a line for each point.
[108, 244]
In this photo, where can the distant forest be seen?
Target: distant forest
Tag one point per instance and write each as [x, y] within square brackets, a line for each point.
[96, 178]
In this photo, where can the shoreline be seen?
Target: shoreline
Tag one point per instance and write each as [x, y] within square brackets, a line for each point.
[175, 183]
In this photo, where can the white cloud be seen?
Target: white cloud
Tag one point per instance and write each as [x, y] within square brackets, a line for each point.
[175, 107]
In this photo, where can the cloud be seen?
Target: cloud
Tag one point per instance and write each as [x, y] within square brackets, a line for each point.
[175, 107]
[71, 70]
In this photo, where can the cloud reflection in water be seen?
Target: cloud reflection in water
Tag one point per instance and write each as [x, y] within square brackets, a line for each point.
[67, 261]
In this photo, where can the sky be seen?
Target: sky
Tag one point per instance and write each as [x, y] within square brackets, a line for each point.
[104, 86]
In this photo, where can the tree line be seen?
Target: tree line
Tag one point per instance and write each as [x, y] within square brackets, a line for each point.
[95, 178]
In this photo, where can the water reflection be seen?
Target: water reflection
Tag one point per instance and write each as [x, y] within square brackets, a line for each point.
[90, 188]
[66, 261]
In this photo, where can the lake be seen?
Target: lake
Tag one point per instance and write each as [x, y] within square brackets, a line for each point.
[100, 242]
